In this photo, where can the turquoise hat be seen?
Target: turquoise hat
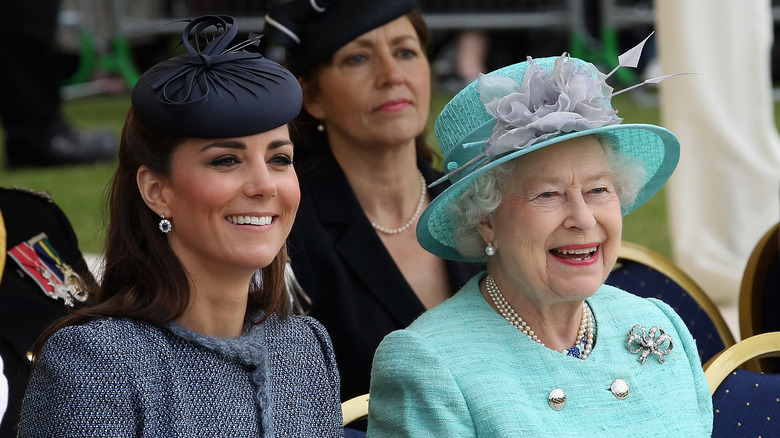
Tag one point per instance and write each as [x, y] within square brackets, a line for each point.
[524, 107]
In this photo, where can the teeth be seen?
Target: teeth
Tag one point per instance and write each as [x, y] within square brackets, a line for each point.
[577, 251]
[249, 220]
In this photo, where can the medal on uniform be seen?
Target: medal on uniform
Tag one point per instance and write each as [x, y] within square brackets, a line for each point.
[38, 259]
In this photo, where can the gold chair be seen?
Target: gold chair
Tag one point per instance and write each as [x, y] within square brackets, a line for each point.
[754, 283]
[745, 403]
[355, 409]
[646, 273]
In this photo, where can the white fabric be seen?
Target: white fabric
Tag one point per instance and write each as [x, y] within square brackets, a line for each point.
[3, 391]
[725, 192]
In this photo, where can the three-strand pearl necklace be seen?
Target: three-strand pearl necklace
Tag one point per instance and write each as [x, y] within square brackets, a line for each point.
[584, 335]
[411, 221]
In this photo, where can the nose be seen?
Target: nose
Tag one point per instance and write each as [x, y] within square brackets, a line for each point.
[578, 213]
[388, 73]
[260, 182]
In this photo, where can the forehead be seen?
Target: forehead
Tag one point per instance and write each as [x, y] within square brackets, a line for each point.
[583, 155]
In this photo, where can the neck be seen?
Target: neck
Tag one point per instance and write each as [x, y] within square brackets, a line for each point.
[217, 307]
[556, 324]
[386, 182]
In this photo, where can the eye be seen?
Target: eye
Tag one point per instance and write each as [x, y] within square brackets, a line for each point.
[548, 195]
[407, 53]
[356, 59]
[281, 160]
[225, 161]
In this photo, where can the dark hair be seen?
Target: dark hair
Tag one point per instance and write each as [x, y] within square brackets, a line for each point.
[311, 146]
[143, 279]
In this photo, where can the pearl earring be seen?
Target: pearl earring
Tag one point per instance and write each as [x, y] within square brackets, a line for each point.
[320, 127]
[490, 249]
[165, 225]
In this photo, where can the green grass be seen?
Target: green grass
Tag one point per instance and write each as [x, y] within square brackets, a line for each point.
[80, 190]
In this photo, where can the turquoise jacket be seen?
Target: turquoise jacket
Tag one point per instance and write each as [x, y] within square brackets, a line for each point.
[461, 370]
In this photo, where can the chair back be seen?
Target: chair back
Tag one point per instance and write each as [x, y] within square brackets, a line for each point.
[353, 410]
[759, 295]
[648, 274]
[745, 403]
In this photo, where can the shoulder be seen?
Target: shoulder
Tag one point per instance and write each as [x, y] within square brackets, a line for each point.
[116, 338]
[456, 312]
[296, 332]
[621, 302]
[443, 328]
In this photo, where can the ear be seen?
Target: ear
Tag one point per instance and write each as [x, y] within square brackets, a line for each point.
[311, 99]
[487, 232]
[152, 190]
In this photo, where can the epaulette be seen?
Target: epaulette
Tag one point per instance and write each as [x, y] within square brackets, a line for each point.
[40, 193]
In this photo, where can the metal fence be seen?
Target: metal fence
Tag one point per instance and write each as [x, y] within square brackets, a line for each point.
[105, 30]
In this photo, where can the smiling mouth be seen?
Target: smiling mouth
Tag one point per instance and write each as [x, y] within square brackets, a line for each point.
[250, 220]
[575, 253]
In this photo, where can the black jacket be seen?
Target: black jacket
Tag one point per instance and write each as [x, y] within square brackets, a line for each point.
[25, 310]
[357, 291]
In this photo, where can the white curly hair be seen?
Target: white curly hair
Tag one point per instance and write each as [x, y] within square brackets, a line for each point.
[481, 198]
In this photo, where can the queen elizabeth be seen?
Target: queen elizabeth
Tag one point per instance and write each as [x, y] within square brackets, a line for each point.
[542, 172]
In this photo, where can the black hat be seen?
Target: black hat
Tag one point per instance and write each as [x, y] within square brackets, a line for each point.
[216, 91]
[313, 30]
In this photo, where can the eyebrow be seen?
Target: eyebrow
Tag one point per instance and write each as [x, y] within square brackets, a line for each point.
[555, 180]
[234, 144]
[368, 42]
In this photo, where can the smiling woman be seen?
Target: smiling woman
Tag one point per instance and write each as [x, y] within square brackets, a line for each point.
[181, 339]
[542, 171]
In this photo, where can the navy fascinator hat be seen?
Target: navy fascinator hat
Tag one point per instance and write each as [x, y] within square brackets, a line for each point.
[313, 30]
[216, 91]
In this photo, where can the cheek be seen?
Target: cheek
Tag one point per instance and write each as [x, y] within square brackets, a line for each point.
[290, 191]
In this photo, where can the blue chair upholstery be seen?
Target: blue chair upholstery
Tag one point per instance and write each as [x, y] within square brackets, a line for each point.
[646, 273]
[747, 404]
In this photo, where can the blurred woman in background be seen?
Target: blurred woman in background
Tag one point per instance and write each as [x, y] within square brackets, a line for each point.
[364, 168]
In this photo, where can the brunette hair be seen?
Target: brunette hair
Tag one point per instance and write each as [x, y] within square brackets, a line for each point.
[311, 146]
[143, 278]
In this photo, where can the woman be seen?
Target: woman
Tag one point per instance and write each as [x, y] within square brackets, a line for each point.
[181, 341]
[363, 168]
[538, 346]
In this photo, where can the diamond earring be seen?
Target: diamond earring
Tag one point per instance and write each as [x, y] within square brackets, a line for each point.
[490, 249]
[165, 225]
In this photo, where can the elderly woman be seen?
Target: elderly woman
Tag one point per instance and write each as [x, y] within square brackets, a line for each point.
[364, 170]
[542, 172]
[181, 339]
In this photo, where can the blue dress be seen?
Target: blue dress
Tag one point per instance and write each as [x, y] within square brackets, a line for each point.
[462, 370]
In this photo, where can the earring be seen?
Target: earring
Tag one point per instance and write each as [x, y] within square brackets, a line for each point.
[320, 127]
[165, 225]
[490, 249]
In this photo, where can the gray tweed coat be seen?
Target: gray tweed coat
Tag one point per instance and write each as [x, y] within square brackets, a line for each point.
[123, 378]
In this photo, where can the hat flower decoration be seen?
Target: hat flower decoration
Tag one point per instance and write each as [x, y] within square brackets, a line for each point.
[572, 97]
[526, 106]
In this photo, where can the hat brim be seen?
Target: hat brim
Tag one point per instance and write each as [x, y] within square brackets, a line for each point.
[656, 148]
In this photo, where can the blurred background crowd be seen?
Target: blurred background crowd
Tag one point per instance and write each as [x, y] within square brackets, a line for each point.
[723, 197]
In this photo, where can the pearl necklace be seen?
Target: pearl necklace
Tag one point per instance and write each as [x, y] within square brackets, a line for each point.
[411, 221]
[584, 335]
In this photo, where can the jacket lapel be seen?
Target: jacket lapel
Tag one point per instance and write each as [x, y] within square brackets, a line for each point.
[361, 249]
